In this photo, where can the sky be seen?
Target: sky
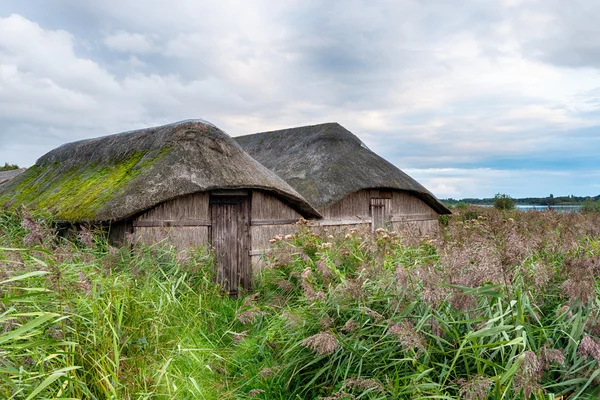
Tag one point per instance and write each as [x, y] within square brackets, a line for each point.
[470, 98]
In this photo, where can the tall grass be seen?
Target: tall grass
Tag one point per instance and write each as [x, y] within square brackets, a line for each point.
[499, 305]
[86, 320]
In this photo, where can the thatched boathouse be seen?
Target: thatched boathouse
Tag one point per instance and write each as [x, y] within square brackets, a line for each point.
[188, 182]
[345, 181]
[192, 184]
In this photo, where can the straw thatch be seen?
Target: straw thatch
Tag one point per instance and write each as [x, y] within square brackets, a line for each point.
[6, 176]
[326, 162]
[118, 176]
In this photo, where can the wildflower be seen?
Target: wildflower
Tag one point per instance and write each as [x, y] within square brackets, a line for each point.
[254, 392]
[85, 236]
[589, 347]
[582, 290]
[269, 372]
[309, 292]
[401, 276]
[548, 356]
[321, 343]
[529, 376]
[56, 333]
[350, 326]
[476, 388]
[354, 288]
[323, 268]
[284, 285]
[565, 309]
[35, 235]
[84, 283]
[407, 335]
[372, 313]
[249, 301]
[249, 315]
[113, 250]
[362, 384]
[436, 329]
[239, 337]
[326, 322]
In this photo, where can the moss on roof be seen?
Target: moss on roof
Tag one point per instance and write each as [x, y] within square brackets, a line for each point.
[118, 176]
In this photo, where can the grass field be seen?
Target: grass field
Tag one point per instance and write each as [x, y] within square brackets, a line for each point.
[499, 306]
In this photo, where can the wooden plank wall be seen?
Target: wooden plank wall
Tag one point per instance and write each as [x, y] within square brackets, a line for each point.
[118, 231]
[354, 205]
[411, 213]
[185, 222]
[270, 217]
[229, 216]
[402, 208]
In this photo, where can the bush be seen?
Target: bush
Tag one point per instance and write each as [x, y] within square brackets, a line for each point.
[8, 167]
[503, 202]
[591, 206]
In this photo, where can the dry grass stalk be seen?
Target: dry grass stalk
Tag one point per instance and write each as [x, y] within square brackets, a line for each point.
[322, 343]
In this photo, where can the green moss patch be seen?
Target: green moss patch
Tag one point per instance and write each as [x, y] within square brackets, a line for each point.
[76, 194]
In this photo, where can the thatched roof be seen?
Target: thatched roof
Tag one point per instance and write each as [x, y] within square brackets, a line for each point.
[6, 176]
[115, 177]
[326, 162]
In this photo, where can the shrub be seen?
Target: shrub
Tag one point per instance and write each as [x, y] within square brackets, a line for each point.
[8, 167]
[503, 202]
[591, 206]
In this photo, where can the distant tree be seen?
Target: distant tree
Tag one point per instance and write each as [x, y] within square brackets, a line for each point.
[503, 202]
[8, 167]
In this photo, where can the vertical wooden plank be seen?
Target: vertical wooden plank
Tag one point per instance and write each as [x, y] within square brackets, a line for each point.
[244, 270]
[380, 211]
[230, 239]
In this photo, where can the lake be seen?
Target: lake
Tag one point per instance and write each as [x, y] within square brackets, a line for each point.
[563, 209]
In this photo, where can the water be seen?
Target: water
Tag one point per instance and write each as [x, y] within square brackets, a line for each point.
[561, 209]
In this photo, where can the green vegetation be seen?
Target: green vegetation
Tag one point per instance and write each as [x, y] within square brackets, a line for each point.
[503, 202]
[8, 167]
[76, 194]
[499, 305]
[534, 201]
[591, 206]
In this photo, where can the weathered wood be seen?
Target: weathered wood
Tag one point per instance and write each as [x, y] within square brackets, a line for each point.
[190, 207]
[260, 222]
[181, 237]
[167, 223]
[262, 234]
[118, 231]
[381, 210]
[268, 207]
[356, 204]
[404, 203]
[341, 221]
[183, 221]
[412, 218]
[230, 240]
[258, 252]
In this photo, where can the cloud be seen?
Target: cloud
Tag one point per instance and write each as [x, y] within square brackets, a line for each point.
[130, 42]
[486, 182]
[430, 84]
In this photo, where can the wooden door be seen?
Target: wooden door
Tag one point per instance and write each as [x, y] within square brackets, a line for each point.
[231, 241]
[380, 209]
